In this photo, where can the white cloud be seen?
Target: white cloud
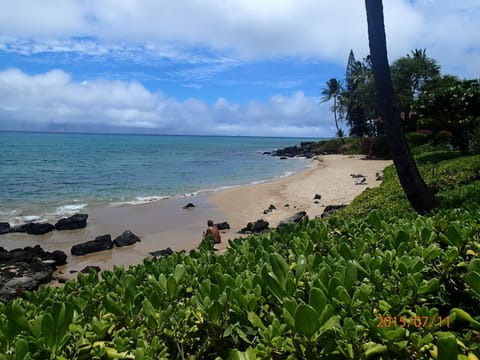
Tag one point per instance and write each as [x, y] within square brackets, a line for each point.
[320, 29]
[54, 101]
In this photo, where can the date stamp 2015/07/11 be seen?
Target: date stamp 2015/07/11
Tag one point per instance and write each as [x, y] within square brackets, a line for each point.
[413, 321]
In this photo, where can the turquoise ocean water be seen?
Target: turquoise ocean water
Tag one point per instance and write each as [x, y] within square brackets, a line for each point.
[48, 175]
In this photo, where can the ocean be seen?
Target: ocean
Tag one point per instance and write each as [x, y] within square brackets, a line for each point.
[44, 176]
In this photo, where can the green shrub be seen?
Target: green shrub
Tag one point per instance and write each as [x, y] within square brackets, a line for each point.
[374, 280]
[417, 138]
[444, 137]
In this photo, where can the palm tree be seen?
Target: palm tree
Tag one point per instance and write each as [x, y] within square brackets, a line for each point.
[420, 196]
[331, 92]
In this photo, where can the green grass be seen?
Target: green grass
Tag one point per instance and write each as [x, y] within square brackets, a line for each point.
[373, 281]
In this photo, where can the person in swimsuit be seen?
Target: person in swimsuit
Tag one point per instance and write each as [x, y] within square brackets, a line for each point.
[212, 230]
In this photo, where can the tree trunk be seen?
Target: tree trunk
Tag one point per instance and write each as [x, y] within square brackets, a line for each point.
[336, 120]
[420, 196]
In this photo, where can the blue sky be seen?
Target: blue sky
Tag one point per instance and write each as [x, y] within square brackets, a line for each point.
[230, 67]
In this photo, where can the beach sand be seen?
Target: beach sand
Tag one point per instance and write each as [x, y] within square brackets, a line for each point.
[165, 223]
[330, 177]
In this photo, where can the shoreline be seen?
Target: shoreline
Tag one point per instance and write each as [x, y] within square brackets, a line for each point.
[164, 223]
[330, 177]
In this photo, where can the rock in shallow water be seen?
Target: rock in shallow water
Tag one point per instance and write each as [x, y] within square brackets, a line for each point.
[77, 221]
[5, 228]
[103, 242]
[39, 228]
[126, 238]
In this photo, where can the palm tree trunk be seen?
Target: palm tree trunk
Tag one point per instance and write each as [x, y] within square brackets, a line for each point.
[420, 196]
[336, 120]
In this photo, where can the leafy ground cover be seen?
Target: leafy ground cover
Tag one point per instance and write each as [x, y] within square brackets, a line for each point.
[374, 281]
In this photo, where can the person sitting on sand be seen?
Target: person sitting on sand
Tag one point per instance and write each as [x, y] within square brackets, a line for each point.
[212, 230]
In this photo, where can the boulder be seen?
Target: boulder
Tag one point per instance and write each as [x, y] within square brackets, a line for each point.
[255, 227]
[330, 209]
[125, 239]
[293, 219]
[27, 277]
[59, 257]
[103, 242]
[21, 228]
[164, 252]
[30, 254]
[189, 206]
[39, 228]
[89, 268]
[77, 221]
[270, 209]
[26, 269]
[317, 197]
[223, 226]
[5, 228]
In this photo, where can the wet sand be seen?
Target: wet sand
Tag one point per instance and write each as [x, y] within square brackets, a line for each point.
[165, 223]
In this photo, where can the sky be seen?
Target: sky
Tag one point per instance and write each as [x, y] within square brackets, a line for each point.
[205, 67]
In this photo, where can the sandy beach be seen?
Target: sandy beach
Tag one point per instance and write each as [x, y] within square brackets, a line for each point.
[330, 177]
[165, 223]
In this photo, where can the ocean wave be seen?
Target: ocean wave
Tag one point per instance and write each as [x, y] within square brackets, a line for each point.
[69, 209]
[139, 200]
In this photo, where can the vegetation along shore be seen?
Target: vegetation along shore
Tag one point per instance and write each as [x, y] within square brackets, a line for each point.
[393, 275]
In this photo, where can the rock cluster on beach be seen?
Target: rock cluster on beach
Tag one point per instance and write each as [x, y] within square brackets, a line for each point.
[26, 269]
[104, 242]
[77, 221]
[307, 149]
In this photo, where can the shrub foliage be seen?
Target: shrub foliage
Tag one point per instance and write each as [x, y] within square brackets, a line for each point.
[373, 281]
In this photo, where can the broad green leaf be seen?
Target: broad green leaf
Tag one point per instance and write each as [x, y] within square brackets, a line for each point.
[255, 320]
[371, 349]
[318, 300]
[306, 320]
[326, 314]
[148, 308]
[345, 251]
[384, 306]
[112, 305]
[171, 286]
[374, 220]
[350, 275]
[460, 314]
[342, 294]
[401, 237]
[473, 279]
[130, 288]
[16, 315]
[273, 284]
[249, 354]
[454, 236]
[289, 310]
[21, 349]
[215, 312]
[49, 331]
[301, 266]
[447, 347]
[429, 286]
[426, 234]
[279, 267]
[474, 265]
[179, 272]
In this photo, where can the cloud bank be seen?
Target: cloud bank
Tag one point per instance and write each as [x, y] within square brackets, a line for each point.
[199, 43]
[248, 30]
[53, 101]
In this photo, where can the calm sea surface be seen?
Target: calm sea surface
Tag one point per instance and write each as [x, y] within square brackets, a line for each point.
[45, 175]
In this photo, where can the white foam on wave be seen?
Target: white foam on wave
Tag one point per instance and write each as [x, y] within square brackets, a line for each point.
[69, 209]
[139, 200]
